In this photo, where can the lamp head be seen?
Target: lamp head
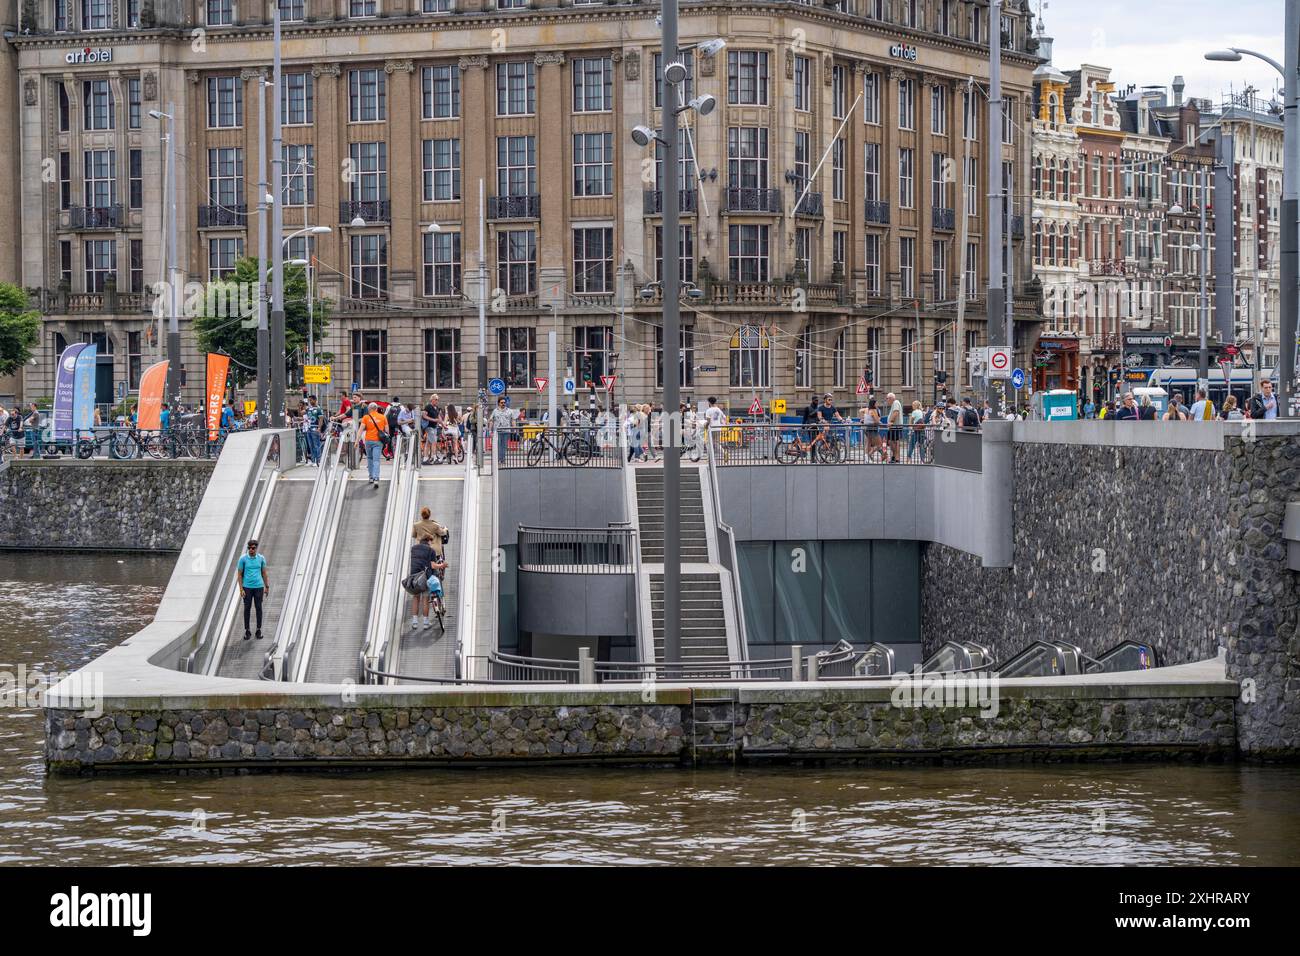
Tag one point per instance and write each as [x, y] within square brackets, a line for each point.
[159, 115]
[675, 73]
[1224, 56]
[321, 230]
[648, 291]
[713, 47]
[643, 135]
[703, 104]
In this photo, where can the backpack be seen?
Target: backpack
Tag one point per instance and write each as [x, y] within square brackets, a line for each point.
[969, 419]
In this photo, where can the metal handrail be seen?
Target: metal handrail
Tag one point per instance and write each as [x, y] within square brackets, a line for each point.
[467, 575]
[385, 596]
[296, 597]
[538, 545]
[733, 569]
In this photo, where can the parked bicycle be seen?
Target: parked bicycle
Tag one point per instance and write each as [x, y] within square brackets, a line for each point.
[575, 447]
[791, 448]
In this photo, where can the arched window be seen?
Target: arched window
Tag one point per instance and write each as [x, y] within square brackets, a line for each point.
[1038, 244]
[1051, 178]
[1065, 180]
[750, 357]
[1067, 257]
[1051, 244]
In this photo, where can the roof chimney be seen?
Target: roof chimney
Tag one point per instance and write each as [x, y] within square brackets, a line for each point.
[1178, 90]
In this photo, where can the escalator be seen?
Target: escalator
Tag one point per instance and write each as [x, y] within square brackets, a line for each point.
[431, 651]
[1044, 659]
[1124, 656]
[952, 657]
[341, 625]
[279, 537]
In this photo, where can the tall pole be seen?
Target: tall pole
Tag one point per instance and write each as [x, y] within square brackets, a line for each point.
[173, 263]
[1225, 299]
[482, 328]
[263, 332]
[1289, 275]
[672, 351]
[277, 247]
[1203, 358]
[995, 304]
[311, 326]
[959, 343]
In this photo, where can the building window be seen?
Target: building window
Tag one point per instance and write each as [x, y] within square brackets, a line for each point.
[871, 366]
[803, 359]
[135, 179]
[685, 249]
[910, 18]
[839, 242]
[907, 266]
[441, 170]
[1008, 121]
[972, 185]
[100, 168]
[972, 269]
[225, 102]
[747, 249]
[221, 13]
[871, 168]
[839, 360]
[517, 356]
[747, 78]
[517, 261]
[871, 262]
[972, 343]
[516, 166]
[747, 157]
[593, 259]
[516, 88]
[442, 263]
[592, 345]
[299, 175]
[871, 98]
[65, 180]
[369, 172]
[65, 108]
[369, 265]
[134, 360]
[133, 102]
[802, 84]
[358, 9]
[907, 104]
[222, 256]
[437, 6]
[938, 110]
[97, 98]
[685, 161]
[297, 92]
[906, 177]
[970, 120]
[511, 4]
[593, 164]
[291, 11]
[802, 160]
[686, 366]
[803, 245]
[939, 268]
[750, 355]
[687, 87]
[908, 356]
[440, 86]
[370, 358]
[939, 180]
[838, 161]
[839, 91]
[593, 84]
[60, 15]
[226, 176]
[441, 358]
[137, 265]
[367, 96]
[101, 262]
[65, 261]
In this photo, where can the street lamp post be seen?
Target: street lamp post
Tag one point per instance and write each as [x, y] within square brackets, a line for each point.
[173, 266]
[311, 323]
[277, 225]
[1289, 271]
[995, 304]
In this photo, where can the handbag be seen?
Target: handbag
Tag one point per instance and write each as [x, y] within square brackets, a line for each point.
[416, 583]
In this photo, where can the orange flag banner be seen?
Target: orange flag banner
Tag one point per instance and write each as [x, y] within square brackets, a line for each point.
[152, 384]
[218, 369]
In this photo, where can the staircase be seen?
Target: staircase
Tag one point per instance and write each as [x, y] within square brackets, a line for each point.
[650, 514]
[704, 628]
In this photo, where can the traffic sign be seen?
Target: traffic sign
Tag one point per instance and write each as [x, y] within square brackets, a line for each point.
[755, 407]
[778, 406]
[316, 374]
[541, 385]
[570, 387]
[1018, 378]
[862, 386]
[999, 361]
[608, 382]
[496, 386]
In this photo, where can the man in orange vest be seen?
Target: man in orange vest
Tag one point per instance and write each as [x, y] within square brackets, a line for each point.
[374, 432]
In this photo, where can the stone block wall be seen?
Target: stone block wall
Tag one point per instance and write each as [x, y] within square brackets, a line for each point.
[100, 505]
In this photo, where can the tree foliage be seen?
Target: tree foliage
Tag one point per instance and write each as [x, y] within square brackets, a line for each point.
[20, 328]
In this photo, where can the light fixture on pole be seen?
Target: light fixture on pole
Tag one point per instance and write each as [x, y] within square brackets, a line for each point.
[311, 322]
[674, 76]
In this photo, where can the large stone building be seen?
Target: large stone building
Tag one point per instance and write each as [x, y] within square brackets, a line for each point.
[396, 109]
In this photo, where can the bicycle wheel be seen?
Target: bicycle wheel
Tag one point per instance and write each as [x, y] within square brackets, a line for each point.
[85, 449]
[787, 452]
[123, 446]
[156, 446]
[831, 451]
[536, 449]
[577, 451]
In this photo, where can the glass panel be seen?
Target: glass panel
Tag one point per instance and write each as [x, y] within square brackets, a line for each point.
[797, 569]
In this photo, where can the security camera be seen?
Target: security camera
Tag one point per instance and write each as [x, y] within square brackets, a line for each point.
[704, 104]
[713, 47]
[643, 135]
[675, 73]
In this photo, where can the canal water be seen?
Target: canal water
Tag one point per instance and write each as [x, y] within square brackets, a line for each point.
[58, 611]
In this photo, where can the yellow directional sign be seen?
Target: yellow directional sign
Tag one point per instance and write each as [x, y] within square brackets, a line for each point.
[250, 408]
[778, 406]
[316, 374]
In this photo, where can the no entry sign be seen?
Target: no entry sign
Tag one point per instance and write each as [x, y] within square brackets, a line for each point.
[999, 361]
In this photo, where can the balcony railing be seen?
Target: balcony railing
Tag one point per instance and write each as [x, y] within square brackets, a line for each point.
[653, 201]
[578, 550]
[95, 217]
[749, 199]
[876, 211]
[1105, 342]
[372, 211]
[941, 218]
[514, 207]
[810, 205]
[56, 302]
[235, 214]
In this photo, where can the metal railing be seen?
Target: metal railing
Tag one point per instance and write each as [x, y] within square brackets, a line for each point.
[727, 552]
[810, 205]
[95, 217]
[578, 550]
[876, 211]
[652, 201]
[751, 199]
[371, 210]
[384, 626]
[569, 446]
[467, 581]
[515, 207]
[941, 218]
[849, 443]
[235, 214]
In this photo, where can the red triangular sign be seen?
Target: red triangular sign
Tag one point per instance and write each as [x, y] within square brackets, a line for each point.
[755, 407]
[862, 386]
[608, 382]
[541, 385]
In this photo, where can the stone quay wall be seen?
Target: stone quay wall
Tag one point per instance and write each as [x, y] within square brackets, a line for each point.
[1181, 547]
[821, 725]
[99, 504]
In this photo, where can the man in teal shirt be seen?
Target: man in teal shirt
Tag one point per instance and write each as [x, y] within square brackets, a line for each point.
[253, 583]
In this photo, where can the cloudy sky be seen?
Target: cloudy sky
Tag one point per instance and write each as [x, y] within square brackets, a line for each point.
[1148, 43]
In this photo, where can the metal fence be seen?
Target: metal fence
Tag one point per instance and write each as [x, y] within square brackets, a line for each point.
[847, 443]
[537, 446]
[578, 550]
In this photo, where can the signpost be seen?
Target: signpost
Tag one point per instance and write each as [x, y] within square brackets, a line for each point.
[316, 374]
[999, 361]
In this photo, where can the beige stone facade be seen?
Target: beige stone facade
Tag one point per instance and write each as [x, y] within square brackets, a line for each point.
[791, 302]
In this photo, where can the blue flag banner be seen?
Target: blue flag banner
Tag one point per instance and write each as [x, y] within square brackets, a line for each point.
[83, 390]
[63, 391]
